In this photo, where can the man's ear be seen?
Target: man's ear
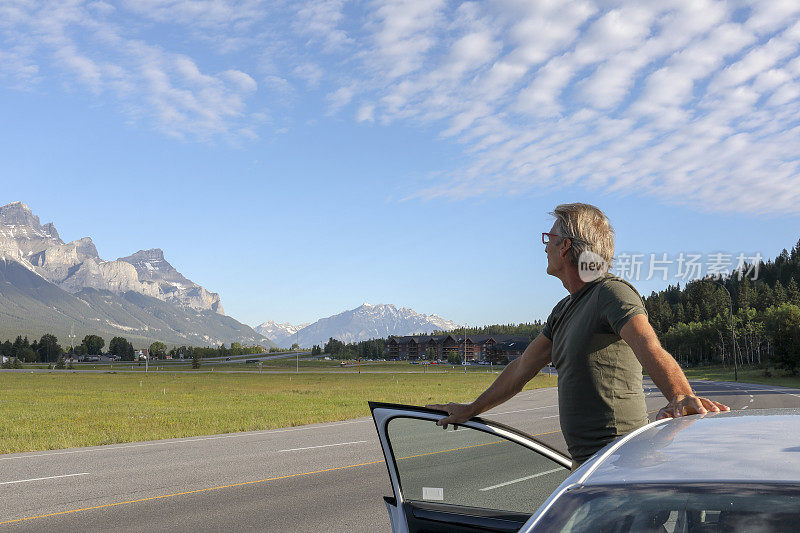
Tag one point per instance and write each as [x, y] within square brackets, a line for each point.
[563, 251]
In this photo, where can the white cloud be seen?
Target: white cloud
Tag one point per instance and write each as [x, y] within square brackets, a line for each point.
[320, 21]
[403, 32]
[366, 113]
[83, 43]
[311, 73]
[205, 14]
[663, 98]
[241, 80]
[693, 101]
[340, 98]
[18, 69]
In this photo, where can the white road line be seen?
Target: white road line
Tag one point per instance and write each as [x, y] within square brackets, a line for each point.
[522, 479]
[324, 446]
[41, 478]
[722, 391]
[554, 416]
[761, 389]
[742, 389]
[181, 441]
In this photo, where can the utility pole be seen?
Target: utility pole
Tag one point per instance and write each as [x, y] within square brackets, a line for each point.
[465, 348]
[72, 337]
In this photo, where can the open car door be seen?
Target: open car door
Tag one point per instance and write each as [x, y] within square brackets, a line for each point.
[482, 477]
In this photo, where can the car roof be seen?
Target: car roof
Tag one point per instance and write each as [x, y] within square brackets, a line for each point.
[741, 446]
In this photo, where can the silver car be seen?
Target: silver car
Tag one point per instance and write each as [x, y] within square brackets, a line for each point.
[726, 472]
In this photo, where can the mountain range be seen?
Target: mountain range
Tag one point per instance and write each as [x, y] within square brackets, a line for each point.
[359, 324]
[49, 286]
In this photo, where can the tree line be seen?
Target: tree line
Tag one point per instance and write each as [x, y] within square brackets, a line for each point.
[219, 351]
[369, 349]
[48, 350]
[694, 321]
[529, 330]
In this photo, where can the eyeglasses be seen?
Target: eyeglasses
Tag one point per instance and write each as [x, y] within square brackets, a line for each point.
[547, 236]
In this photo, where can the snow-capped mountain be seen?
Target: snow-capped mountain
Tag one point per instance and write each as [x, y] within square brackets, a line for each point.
[273, 330]
[362, 323]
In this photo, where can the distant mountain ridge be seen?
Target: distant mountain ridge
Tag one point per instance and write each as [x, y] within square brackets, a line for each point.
[362, 323]
[273, 330]
[49, 286]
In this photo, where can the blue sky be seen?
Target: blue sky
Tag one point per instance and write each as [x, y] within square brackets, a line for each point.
[301, 158]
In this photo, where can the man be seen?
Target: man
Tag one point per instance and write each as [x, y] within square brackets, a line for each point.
[598, 338]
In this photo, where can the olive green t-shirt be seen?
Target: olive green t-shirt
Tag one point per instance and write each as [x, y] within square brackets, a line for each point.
[600, 394]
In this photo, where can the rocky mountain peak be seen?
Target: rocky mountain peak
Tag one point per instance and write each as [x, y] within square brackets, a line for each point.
[21, 234]
[86, 247]
[17, 213]
[77, 265]
[51, 231]
[152, 268]
[153, 254]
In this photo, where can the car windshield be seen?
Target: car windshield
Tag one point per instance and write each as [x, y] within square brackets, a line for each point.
[706, 508]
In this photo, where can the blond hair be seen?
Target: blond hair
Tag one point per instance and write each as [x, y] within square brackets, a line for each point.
[588, 228]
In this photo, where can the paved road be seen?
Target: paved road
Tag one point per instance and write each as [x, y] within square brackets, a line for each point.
[325, 477]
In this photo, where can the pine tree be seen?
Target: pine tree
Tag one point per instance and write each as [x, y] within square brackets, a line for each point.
[794, 255]
[744, 297]
[695, 313]
[793, 292]
[765, 297]
[779, 293]
[679, 313]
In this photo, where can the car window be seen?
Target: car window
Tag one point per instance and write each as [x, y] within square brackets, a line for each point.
[694, 508]
[469, 467]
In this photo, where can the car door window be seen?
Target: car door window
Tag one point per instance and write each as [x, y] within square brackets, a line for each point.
[469, 467]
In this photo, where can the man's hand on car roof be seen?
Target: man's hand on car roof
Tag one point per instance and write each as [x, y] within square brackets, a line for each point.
[684, 404]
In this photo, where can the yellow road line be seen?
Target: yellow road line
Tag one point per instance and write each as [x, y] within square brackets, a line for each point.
[231, 485]
[189, 492]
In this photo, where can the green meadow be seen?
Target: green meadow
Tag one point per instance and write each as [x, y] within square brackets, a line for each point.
[41, 411]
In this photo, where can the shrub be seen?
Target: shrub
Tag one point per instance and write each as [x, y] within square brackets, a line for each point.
[453, 358]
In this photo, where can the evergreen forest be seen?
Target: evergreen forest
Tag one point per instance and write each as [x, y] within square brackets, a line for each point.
[694, 321]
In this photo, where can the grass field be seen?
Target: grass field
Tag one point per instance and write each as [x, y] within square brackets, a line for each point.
[746, 375]
[40, 411]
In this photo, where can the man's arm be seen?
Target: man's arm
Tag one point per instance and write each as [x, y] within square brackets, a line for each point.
[664, 371]
[516, 374]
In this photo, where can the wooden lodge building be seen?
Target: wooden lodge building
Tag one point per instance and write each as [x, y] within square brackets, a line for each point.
[494, 348]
